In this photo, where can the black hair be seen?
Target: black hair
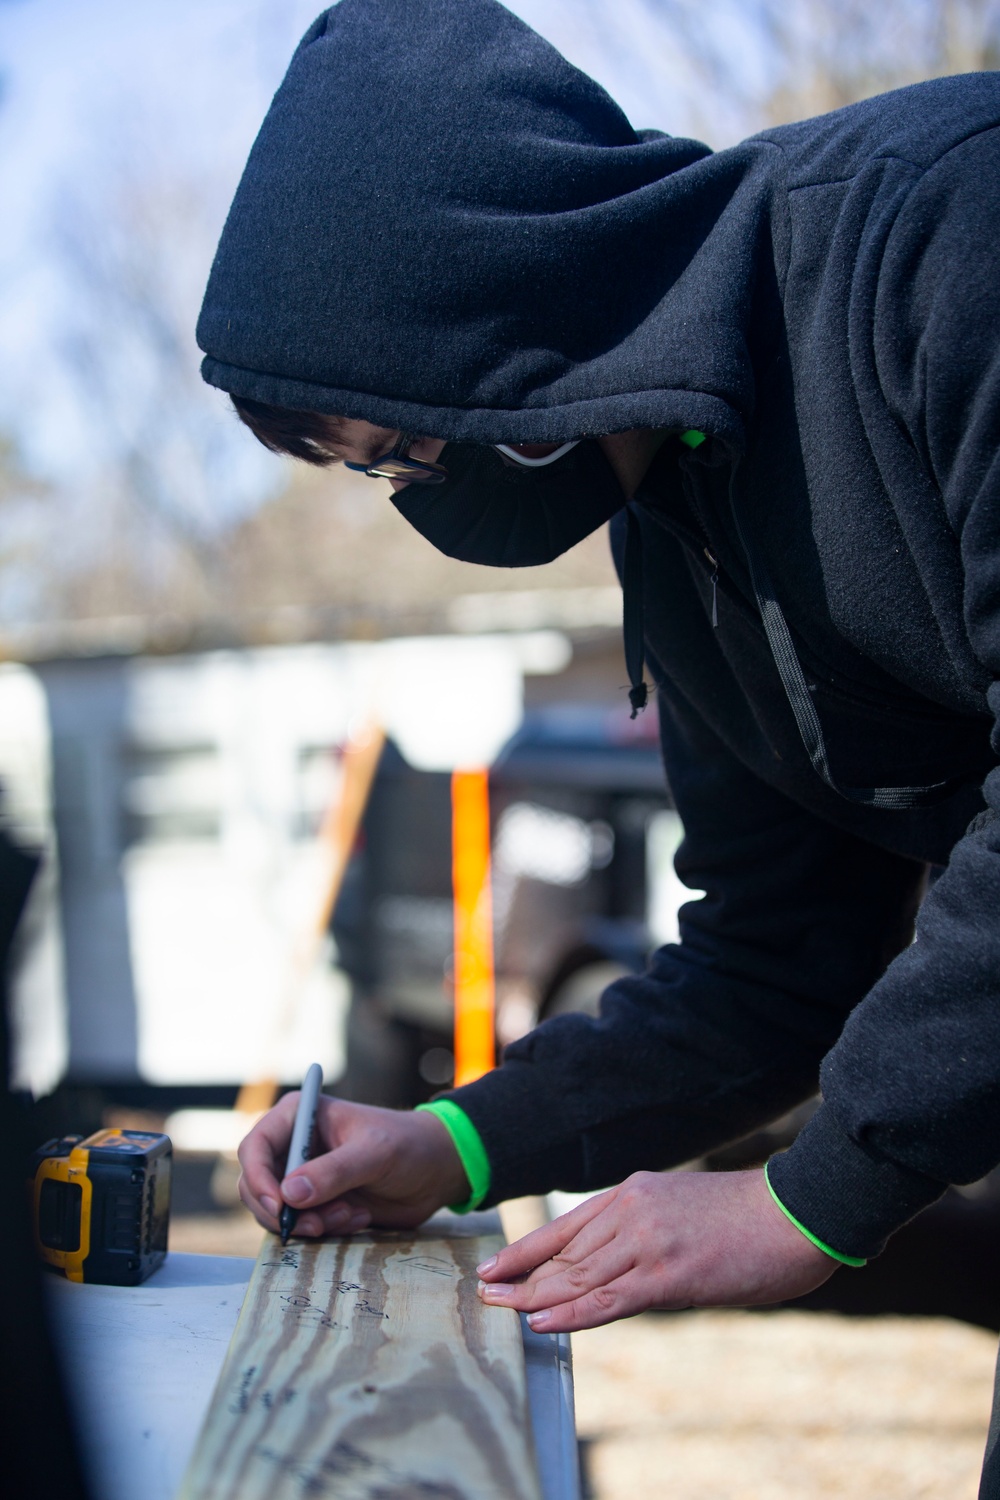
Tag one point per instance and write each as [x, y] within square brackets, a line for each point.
[299, 434]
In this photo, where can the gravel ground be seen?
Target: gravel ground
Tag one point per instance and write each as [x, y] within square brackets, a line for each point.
[771, 1406]
[754, 1406]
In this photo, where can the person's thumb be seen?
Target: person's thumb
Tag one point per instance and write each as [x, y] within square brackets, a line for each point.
[356, 1164]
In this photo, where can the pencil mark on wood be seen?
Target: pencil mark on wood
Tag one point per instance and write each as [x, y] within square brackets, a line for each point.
[289, 1257]
[242, 1398]
[305, 1311]
[364, 1306]
[314, 1318]
[268, 1399]
[435, 1264]
[368, 1369]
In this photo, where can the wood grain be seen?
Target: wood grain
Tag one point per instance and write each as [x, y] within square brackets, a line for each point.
[368, 1369]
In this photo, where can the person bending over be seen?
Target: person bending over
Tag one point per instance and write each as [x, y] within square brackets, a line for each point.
[775, 371]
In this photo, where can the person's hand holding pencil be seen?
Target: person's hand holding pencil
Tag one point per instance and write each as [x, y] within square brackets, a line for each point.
[389, 1167]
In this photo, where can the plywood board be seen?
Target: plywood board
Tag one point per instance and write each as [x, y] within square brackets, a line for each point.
[367, 1368]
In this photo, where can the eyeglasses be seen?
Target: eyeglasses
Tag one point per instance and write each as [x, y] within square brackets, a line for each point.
[397, 463]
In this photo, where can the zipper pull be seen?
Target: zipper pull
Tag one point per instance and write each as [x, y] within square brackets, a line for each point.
[715, 588]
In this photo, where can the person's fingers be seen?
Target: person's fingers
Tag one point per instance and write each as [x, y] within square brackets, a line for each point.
[572, 1270]
[619, 1299]
[356, 1164]
[260, 1211]
[542, 1244]
[381, 1162]
[349, 1222]
[263, 1150]
[602, 1230]
[308, 1226]
[561, 1281]
[339, 1217]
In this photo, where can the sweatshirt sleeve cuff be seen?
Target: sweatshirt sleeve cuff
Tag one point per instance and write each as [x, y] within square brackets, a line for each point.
[471, 1151]
[850, 1199]
[524, 1135]
[846, 1260]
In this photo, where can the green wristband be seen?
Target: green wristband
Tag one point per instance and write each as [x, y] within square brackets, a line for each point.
[471, 1151]
[847, 1260]
[692, 438]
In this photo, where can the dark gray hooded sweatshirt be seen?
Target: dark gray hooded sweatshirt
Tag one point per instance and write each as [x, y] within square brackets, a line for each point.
[444, 227]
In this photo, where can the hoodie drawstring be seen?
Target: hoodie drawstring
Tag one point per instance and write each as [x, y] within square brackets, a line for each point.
[633, 615]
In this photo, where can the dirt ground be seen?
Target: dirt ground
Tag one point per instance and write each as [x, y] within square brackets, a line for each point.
[756, 1406]
[771, 1406]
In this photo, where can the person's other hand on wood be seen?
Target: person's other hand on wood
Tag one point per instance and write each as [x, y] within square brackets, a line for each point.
[683, 1239]
[378, 1166]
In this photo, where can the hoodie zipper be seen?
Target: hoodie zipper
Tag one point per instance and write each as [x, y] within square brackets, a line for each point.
[715, 588]
[835, 684]
[693, 539]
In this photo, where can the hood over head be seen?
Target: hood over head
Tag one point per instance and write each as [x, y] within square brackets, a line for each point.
[444, 227]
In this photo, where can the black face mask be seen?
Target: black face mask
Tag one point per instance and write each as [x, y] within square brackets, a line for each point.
[491, 510]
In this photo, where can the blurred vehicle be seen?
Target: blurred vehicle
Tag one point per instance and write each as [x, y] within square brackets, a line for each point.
[583, 836]
[177, 804]
[175, 801]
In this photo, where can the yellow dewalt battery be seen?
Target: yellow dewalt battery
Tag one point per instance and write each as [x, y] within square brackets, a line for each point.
[101, 1206]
